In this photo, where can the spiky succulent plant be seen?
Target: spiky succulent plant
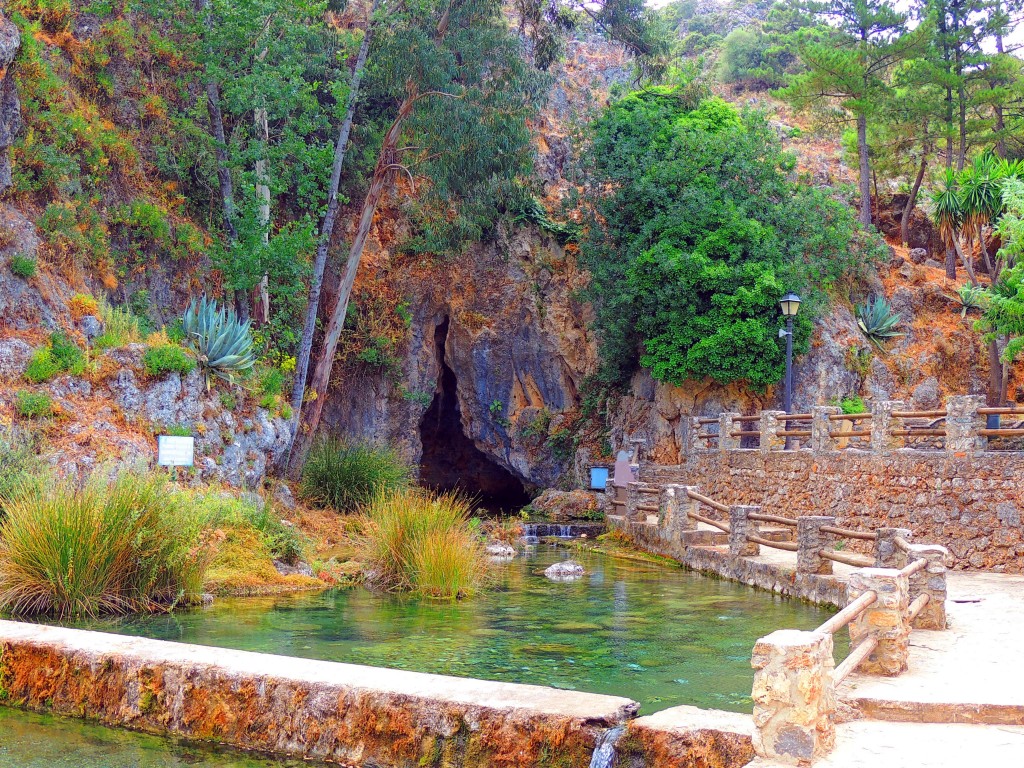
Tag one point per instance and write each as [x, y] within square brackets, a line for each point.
[970, 297]
[222, 343]
[877, 320]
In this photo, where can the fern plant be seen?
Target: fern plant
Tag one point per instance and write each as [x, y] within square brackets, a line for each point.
[877, 321]
[220, 341]
[970, 297]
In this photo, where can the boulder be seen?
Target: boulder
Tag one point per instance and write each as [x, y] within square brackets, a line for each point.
[566, 505]
[10, 107]
[926, 394]
[14, 355]
[90, 326]
[500, 550]
[567, 570]
[918, 255]
[299, 569]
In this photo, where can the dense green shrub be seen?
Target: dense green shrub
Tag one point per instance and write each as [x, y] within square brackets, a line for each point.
[696, 234]
[120, 327]
[61, 355]
[167, 358]
[346, 476]
[283, 542]
[110, 547]
[412, 541]
[33, 405]
[23, 266]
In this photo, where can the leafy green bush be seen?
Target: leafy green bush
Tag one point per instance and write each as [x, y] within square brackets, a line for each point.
[853, 404]
[284, 542]
[61, 355]
[271, 385]
[697, 233]
[167, 358]
[23, 266]
[411, 541]
[33, 405]
[346, 476]
[110, 547]
[877, 320]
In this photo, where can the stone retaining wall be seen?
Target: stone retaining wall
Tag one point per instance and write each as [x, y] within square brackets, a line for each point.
[358, 716]
[971, 503]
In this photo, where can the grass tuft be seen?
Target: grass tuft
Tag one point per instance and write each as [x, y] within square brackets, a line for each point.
[33, 405]
[165, 359]
[108, 547]
[412, 541]
[347, 476]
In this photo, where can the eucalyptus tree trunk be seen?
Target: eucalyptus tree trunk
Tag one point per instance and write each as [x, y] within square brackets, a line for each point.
[327, 227]
[261, 312]
[223, 171]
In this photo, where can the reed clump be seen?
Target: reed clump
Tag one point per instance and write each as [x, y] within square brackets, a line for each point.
[110, 546]
[347, 476]
[413, 541]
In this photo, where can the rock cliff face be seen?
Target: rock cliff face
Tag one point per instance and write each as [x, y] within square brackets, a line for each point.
[10, 109]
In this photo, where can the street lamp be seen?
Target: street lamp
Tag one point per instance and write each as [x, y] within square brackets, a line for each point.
[790, 303]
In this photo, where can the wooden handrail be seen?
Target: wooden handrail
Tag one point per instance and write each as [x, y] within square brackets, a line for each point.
[709, 521]
[706, 435]
[788, 546]
[741, 433]
[1009, 410]
[796, 417]
[849, 416]
[933, 414]
[999, 432]
[852, 433]
[707, 421]
[918, 605]
[766, 518]
[922, 432]
[914, 567]
[849, 534]
[705, 500]
[848, 614]
[747, 418]
[857, 561]
[864, 649]
[902, 543]
[795, 433]
[647, 507]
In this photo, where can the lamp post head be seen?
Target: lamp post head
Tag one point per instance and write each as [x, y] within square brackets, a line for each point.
[790, 303]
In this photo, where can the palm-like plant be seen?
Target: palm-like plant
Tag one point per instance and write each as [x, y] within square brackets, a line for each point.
[948, 210]
[877, 320]
[222, 343]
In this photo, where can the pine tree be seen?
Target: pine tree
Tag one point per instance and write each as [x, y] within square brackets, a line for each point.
[850, 69]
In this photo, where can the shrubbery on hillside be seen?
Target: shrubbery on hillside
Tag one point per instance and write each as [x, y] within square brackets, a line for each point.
[698, 234]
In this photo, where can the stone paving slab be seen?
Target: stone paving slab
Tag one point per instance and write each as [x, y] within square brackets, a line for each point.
[971, 673]
[873, 744]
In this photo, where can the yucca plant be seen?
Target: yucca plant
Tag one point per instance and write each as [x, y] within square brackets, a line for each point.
[877, 320]
[970, 297]
[948, 209]
[222, 343]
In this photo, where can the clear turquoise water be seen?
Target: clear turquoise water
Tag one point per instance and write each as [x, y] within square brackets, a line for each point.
[40, 741]
[653, 633]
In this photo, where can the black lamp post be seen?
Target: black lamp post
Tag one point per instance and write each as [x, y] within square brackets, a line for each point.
[790, 303]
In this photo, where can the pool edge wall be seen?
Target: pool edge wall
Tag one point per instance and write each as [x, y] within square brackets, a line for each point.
[360, 716]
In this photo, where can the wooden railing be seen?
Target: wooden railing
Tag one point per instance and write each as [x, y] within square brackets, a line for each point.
[959, 427]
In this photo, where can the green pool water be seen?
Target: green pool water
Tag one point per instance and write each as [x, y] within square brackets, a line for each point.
[28, 740]
[653, 633]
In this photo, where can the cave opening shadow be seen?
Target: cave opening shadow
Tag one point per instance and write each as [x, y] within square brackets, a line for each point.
[451, 462]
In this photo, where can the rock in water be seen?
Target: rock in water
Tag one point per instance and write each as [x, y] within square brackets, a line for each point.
[567, 570]
[500, 549]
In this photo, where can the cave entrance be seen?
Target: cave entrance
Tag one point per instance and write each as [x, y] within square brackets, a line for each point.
[451, 462]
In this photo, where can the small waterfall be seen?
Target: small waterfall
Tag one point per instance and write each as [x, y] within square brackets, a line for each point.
[565, 531]
[530, 533]
[604, 752]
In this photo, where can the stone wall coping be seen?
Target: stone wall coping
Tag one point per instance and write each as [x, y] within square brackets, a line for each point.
[686, 719]
[465, 692]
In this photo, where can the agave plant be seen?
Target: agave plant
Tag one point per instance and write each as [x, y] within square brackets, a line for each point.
[222, 343]
[877, 320]
[970, 297]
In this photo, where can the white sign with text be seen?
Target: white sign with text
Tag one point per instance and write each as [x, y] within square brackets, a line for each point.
[175, 451]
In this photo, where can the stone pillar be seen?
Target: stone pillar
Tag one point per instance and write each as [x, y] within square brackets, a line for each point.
[885, 619]
[673, 507]
[605, 501]
[930, 581]
[726, 426]
[962, 424]
[811, 540]
[887, 554]
[693, 441]
[821, 428]
[794, 699]
[770, 425]
[633, 497]
[741, 526]
[882, 424]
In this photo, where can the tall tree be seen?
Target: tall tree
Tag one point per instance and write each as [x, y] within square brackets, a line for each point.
[850, 68]
[460, 93]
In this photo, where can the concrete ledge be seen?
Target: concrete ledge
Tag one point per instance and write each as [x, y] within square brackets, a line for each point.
[360, 716]
[687, 737]
[968, 713]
